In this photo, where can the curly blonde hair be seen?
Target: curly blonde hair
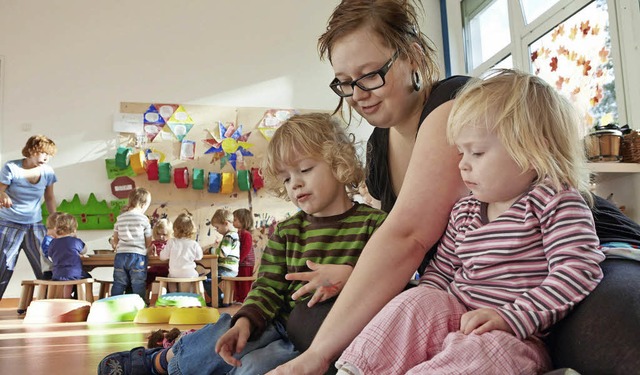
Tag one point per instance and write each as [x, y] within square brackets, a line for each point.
[184, 227]
[537, 126]
[316, 135]
[66, 224]
[39, 143]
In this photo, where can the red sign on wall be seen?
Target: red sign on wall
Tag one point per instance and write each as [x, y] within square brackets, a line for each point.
[122, 186]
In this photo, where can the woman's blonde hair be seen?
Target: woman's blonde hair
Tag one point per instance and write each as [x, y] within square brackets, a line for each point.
[395, 22]
[163, 224]
[538, 126]
[244, 218]
[66, 224]
[314, 135]
[138, 198]
[222, 216]
[184, 227]
[39, 143]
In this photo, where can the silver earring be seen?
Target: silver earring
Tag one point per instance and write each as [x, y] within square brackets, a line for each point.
[416, 81]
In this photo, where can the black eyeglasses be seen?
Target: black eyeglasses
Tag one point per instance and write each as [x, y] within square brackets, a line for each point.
[367, 82]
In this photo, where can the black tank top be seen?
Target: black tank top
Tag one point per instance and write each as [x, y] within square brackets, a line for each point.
[378, 177]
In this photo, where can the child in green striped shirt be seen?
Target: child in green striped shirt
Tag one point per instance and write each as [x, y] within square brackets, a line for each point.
[312, 162]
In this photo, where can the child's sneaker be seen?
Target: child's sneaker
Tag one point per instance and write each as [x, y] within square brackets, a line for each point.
[137, 361]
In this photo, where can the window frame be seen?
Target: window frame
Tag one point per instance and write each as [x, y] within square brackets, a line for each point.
[624, 30]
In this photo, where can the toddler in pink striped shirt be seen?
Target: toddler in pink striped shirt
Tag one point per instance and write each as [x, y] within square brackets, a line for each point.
[518, 253]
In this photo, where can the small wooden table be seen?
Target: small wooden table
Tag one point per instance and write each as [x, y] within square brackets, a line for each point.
[209, 261]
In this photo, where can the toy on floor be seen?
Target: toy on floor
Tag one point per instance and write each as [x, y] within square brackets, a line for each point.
[121, 308]
[57, 311]
[166, 339]
[179, 299]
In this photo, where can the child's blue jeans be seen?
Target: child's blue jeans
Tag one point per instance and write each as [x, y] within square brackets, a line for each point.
[130, 269]
[195, 353]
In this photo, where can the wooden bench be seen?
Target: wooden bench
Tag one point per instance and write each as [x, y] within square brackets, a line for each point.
[228, 287]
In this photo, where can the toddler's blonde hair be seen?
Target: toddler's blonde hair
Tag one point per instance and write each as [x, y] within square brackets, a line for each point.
[184, 227]
[51, 220]
[222, 216]
[318, 136]
[163, 224]
[138, 198]
[538, 126]
[66, 224]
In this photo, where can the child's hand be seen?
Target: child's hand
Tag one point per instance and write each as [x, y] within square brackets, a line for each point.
[327, 280]
[234, 341]
[5, 201]
[483, 320]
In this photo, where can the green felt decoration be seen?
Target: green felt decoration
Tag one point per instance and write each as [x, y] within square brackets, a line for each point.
[92, 215]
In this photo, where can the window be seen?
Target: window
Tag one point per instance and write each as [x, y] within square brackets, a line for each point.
[572, 44]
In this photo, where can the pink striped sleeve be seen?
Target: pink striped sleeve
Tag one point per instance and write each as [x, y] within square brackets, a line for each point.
[570, 246]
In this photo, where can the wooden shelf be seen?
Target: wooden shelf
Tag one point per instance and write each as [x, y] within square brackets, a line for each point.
[613, 167]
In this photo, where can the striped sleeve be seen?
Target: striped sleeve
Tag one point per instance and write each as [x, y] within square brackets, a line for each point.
[570, 247]
[439, 273]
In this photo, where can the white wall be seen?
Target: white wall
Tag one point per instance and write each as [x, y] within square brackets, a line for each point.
[68, 64]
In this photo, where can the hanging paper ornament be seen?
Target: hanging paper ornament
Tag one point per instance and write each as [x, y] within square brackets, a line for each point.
[180, 123]
[153, 123]
[198, 179]
[122, 157]
[271, 120]
[166, 110]
[231, 142]
[256, 179]
[227, 183]
[244, 183]
[181, 177]
[137, 162]
[215, 182]
[164, 173]
[152, 170]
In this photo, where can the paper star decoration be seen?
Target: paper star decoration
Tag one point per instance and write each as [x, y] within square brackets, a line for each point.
[226, 144]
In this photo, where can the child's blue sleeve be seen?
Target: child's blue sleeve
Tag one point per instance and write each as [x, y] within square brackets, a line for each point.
[45, 245]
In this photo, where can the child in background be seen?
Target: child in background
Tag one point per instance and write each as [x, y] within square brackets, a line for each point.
[65, 250]
[518, 253]
[51, 234]
[132, 237]
[182, 250]
[23, 183]
[243, 222]
[313, 162]
[228, 249]
[162, 231]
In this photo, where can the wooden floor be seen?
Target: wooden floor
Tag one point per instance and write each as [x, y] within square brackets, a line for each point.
[66, 348]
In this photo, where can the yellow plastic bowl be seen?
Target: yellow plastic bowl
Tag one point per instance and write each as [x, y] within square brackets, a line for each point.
[151, 315]
[194, 315]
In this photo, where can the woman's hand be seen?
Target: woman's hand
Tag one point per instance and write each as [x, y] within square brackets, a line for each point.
[306, 363]
[483, 320]
[324, 281]
[234, 341]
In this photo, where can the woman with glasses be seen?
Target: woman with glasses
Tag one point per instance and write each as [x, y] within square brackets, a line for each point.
[385, 70]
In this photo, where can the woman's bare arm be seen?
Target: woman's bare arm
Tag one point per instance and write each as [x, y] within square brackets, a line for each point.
[431, 187]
